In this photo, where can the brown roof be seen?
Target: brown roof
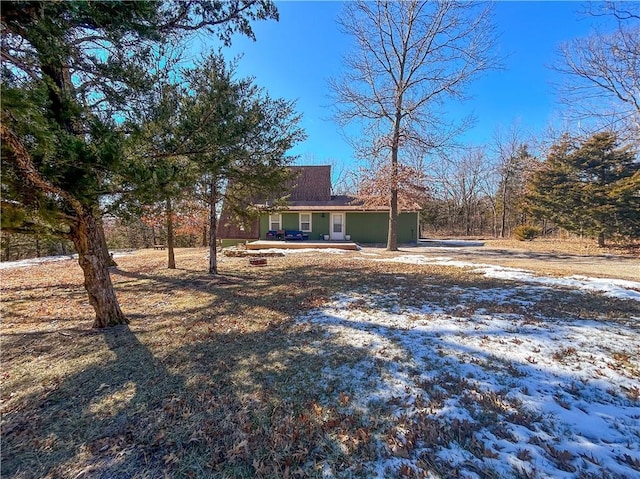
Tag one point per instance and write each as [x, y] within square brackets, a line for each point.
[310, 190]
[312, 183]
[337, 203]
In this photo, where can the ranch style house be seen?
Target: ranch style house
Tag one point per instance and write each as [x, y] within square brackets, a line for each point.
[318, 215]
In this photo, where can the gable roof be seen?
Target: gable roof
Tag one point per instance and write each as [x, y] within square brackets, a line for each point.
[310, 190]
[310, 183]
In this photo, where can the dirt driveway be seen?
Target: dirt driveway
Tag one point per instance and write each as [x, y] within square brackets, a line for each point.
[544, 258]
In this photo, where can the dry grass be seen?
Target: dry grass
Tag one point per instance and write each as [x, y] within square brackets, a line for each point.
[212, 378]
[574, 246]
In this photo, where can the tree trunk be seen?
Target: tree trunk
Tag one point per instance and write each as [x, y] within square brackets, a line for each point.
[213, 229]
[392, 240]
[204, 236]
[503, 225]
[153, 235]
[171, 256]
[86, 232]
[93, 257]
[601, 240]
[494, 212]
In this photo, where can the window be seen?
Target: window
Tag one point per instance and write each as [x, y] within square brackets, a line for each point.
[275, 222]
[305, 222]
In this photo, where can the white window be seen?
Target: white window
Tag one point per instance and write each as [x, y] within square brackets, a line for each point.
[305, 222]
[275, 220]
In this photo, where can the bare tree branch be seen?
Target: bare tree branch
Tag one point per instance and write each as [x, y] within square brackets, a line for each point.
[409, 57]
[602, 73]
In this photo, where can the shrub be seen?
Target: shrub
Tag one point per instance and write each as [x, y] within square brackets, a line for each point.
[526, 232]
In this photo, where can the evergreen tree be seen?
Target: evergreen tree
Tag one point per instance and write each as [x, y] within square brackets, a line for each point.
[238, 136]
[156, 171]
[591, 189]
[71, 72]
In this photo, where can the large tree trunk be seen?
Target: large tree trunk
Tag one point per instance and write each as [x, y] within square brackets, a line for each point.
[392, 240]
[170, 239]
[213, 229]
[93, 256]
[86, 232]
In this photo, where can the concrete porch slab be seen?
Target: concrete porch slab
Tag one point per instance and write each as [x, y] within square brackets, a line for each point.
[305, 244]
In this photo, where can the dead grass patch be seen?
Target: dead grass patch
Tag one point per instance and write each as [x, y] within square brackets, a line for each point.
[213, 378]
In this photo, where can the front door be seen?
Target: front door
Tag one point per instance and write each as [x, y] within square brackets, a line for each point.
[337, 226]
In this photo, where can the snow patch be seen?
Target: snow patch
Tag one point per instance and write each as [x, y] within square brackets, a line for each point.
[553, 395]
[615, 288]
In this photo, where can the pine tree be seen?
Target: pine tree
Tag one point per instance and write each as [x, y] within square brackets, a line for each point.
[238, 136]
[71, 72]
[591, 189]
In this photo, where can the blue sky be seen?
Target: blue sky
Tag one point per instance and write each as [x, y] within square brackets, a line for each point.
[294, 58]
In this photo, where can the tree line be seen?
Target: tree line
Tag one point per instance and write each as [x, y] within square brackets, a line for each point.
[409, 57]
[586, 186]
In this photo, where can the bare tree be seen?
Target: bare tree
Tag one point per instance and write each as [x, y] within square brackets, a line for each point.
[512, 160]
[460, 182]
[603, 72]
[617, 9]
[409, 57]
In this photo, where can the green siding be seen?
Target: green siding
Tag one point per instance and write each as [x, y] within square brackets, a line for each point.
[408, 228]
[264, 225]
[290, 221]
[367, 227]
[363, 227]
[374, 227]
[319, 225]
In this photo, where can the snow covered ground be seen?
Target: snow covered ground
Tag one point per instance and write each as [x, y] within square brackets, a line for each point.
[23, 263]
[472, 393]
[616, 288]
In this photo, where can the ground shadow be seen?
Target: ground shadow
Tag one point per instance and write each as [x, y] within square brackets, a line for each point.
[222, 402]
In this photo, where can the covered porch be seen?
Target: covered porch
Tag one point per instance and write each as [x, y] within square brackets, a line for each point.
[305, 244]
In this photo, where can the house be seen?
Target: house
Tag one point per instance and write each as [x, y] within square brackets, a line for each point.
[313, 210]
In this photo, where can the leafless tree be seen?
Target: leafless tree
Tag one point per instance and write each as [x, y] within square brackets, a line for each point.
[460, 181]
[619, 10]
[512, 159]
[602, 72]
[410, 56]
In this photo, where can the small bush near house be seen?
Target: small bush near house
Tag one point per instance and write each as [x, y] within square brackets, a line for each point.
[526, 232]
